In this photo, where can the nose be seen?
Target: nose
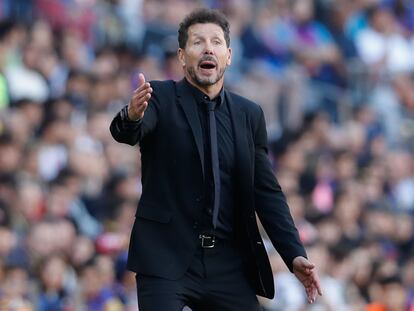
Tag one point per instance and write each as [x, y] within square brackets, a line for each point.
[208, 48]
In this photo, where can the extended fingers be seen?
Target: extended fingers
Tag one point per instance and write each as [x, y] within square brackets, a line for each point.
[315, 281]
[311, 292]
[312, 287]
[142, 90]
[142, 96]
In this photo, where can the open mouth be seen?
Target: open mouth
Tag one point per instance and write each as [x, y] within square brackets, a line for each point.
[207, 65]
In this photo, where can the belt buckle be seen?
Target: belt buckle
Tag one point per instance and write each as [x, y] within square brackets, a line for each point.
[207, 241]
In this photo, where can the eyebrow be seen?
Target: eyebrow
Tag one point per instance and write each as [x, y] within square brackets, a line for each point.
[215, 36]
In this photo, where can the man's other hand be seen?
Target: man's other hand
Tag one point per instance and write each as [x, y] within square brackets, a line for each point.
[306, 273]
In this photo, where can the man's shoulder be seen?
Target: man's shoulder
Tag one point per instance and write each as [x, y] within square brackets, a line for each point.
[244, 103]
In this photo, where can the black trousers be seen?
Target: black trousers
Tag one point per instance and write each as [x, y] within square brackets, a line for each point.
[215, 281]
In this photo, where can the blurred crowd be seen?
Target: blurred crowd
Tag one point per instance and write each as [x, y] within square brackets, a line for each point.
[335, 79]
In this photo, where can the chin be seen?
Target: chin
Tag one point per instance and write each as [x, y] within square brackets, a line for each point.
[207, 81]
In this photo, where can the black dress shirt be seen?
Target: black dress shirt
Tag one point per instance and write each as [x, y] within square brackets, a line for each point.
[226, 154]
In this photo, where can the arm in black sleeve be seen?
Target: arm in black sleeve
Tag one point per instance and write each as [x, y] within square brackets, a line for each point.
[270, 202]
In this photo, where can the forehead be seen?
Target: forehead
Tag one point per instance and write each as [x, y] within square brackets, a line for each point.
[205, 30]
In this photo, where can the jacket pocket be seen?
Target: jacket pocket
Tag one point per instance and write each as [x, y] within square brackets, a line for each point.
[150, 212]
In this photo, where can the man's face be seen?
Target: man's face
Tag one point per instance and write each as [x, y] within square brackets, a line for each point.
[206, 55]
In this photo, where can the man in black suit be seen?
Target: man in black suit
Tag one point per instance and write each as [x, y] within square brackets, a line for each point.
[205, 175]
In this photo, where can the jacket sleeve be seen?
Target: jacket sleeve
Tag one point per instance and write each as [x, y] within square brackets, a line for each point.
[130, 132]
[270, 202]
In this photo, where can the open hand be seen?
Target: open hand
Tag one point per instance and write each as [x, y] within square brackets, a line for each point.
[306, 273]
[140, 98]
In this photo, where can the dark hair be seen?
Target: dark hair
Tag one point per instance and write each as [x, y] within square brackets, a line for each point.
[203, 16]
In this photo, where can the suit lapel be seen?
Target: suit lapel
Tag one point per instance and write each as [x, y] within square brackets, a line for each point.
[189, 106]
[242, 148]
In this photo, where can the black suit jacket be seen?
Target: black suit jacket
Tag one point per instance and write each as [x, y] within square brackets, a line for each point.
[165, 234]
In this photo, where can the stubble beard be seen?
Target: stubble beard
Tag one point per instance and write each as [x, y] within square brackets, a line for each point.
[206, 81]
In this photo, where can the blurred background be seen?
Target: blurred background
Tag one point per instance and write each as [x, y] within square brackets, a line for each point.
[334, 77]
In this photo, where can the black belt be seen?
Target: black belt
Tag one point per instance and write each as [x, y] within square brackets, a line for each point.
[207, 240]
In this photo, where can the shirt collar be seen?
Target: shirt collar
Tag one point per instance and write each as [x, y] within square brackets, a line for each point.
[200, 96]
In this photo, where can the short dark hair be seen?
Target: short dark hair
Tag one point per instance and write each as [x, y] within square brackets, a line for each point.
[203, 16]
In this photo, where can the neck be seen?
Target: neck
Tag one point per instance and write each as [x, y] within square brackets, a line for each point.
[211, 91]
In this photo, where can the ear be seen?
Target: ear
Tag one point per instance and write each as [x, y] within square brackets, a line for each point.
[181, 58]
[229, 57]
